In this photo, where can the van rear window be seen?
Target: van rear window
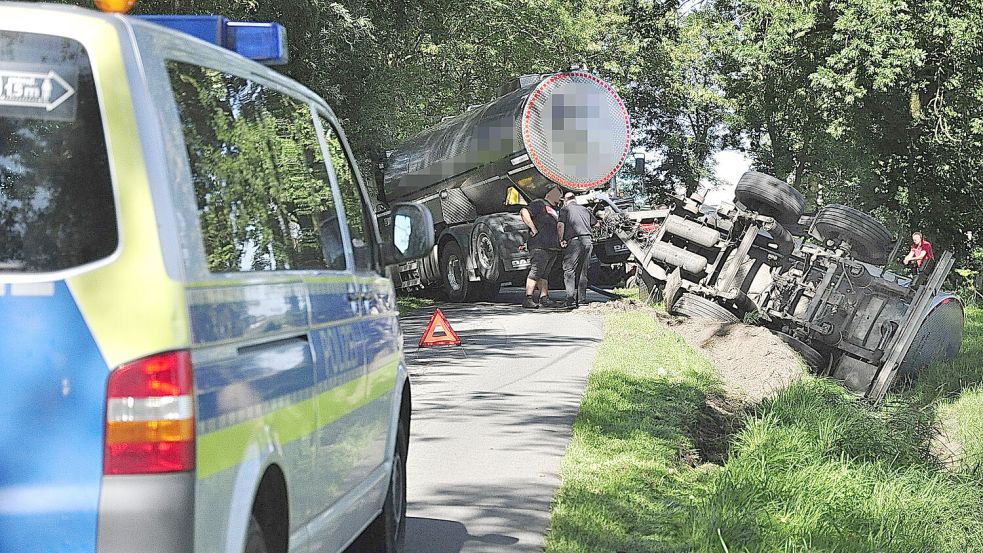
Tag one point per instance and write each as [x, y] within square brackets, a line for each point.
[56, 195]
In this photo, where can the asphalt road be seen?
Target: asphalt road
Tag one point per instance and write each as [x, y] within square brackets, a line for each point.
[491, 421]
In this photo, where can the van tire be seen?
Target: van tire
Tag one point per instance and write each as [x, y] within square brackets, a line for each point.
[770, 196]
[255, 540]
[387, 533]
[454, 272]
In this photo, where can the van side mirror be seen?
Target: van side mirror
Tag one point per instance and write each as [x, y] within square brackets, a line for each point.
[412, 233]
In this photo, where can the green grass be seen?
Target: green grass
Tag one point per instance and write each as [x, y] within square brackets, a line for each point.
[627, 485]
[955, 391]
[811, 469]
[407, 304]
[628, 293]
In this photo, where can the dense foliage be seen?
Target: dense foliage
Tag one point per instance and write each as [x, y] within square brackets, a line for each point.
[876, 103]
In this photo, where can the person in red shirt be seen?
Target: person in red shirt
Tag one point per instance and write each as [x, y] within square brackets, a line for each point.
[921, 259]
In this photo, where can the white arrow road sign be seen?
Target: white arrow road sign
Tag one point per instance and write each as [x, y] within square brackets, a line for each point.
[33, 90]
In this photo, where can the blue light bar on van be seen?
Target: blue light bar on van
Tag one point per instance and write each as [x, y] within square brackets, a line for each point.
[263, 42]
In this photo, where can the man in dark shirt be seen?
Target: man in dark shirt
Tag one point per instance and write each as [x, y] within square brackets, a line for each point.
[575, 228]
[544, 250]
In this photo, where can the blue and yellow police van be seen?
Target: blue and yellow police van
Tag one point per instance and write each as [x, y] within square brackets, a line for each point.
[199, 347]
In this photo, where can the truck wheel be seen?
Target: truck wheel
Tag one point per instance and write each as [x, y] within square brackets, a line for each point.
[454, 273]
[814, 360]
[387, 533]
[255, 541]
[486, 254]
[869, 240]
[697, 307]
[770, 196]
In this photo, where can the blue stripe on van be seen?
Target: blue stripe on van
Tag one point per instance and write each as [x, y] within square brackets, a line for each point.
[328, 307]
[52, 398]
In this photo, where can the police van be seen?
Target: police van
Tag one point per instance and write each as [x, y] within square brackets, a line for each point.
[199, 348]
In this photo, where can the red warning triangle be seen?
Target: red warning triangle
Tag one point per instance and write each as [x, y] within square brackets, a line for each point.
[439, 322]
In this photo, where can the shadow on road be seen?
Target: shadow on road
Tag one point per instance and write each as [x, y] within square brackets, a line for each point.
[446, 536]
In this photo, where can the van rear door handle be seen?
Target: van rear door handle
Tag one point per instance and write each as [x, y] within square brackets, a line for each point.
[300, 338]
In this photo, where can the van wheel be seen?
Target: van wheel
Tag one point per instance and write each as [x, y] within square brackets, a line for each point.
[454, 272]
[387, 533]
[255, 541]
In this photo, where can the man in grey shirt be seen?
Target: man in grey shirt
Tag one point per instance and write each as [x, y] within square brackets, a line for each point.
[575, 228]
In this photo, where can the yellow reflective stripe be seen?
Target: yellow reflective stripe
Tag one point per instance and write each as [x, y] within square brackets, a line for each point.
[131, 306]
[230, 446]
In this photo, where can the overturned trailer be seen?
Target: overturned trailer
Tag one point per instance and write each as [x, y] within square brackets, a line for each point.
[567, 130]
[822, 282]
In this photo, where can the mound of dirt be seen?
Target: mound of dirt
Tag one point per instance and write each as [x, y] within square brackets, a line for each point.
[752, 362]
[611, 306]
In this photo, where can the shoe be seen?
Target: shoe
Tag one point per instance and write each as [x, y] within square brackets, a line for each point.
[549, 303]
[570, 304]
[529, 303]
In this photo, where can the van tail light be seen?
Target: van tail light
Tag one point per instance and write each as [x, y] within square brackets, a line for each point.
[150, 416]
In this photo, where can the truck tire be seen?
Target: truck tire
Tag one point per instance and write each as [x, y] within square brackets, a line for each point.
[869, 240]
[813, 359]
[488, 259]
[770, 196]
[696, 307]
[454, 273]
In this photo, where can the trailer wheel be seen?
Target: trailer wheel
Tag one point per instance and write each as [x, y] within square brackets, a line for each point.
[486, 254]
[454, 273]
[770, 196]
[869, 240]
[813, 359]
[696, 307]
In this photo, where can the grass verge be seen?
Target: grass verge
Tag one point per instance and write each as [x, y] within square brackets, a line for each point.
[808, 470]
[407, 304]
[628, 474]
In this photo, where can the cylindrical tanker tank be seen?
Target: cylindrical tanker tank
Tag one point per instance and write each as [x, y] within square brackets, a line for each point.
[569, 129]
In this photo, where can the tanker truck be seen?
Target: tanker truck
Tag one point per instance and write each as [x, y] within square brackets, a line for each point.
[567, 131]
[821, 282]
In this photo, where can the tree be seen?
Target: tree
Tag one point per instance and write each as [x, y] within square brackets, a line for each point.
[875, 103]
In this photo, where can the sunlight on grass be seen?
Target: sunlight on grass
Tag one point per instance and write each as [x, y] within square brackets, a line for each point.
[626, 486]
[811, 469]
